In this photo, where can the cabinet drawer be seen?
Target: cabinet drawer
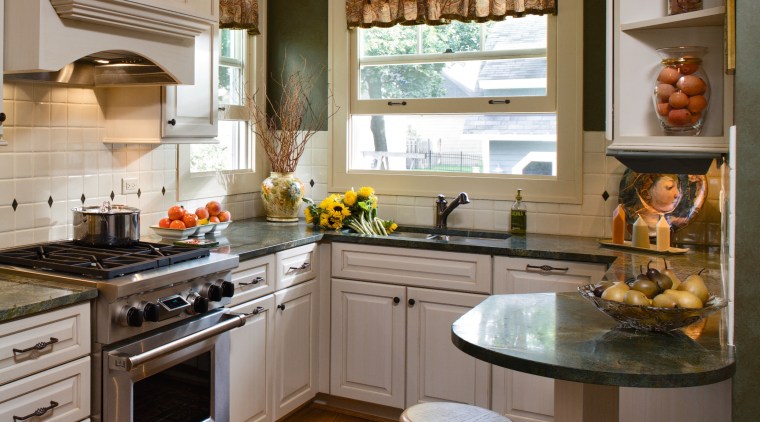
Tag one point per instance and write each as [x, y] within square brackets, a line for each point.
[296, 265]
[66, 330]
[524, 275]
[413, 267]
[253, 279]
[65, 388]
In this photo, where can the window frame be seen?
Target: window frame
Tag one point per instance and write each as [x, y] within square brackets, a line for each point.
[566, 187]
[231, 182]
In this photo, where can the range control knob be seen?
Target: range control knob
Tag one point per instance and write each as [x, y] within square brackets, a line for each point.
[200, 304]
[228, 288]
[214, 293]
[150, 312]
[130, 316]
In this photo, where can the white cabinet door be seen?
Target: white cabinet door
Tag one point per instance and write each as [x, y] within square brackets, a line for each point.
[436, 369]
[191, 111]
[295, 339]
[523, 397]
[368, 327]
[252, 363]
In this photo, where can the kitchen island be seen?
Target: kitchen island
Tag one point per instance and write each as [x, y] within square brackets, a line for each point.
[562, 336]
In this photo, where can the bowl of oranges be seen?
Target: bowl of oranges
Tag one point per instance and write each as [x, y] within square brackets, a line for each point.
[181, 223]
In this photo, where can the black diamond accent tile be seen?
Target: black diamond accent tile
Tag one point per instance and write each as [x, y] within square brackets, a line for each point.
[14, 204]
[605, 195]
[139, 193]
[50, 201]
[82, 198]
[163, 191]
[113, 195]
[311, 183]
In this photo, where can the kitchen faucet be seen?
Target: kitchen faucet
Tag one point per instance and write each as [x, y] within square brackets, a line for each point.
[443, 208]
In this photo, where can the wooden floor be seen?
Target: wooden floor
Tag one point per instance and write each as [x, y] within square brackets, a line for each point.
[317, 413]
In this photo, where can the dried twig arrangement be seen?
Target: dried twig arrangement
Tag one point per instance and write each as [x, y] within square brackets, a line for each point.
[290, 123]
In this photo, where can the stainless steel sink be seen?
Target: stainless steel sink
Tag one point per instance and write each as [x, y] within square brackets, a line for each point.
[452, 235]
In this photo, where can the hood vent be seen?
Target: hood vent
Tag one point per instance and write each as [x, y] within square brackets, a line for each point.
[107, 68]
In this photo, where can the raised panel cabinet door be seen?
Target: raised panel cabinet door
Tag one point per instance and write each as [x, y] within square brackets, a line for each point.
[295, 339]
[524, 397]
[252, 363]
[368, 333]
[436, 369]
[191, 111]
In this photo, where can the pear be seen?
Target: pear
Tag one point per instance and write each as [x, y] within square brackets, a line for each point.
[684, 299]
[600, 287]
[670, 274]
[635, 297]
[646, 286]
[616, 292]
[664, 301]
[695, 285]
[663, 281]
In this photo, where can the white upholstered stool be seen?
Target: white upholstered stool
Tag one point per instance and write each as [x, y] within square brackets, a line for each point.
[449, 412]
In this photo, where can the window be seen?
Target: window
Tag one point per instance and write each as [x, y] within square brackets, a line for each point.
[228, 167]
[476, 107]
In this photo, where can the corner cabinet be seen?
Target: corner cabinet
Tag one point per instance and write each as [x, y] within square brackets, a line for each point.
[169, 114]
[636, 29]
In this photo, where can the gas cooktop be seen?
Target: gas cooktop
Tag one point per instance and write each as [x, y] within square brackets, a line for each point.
[98, 262]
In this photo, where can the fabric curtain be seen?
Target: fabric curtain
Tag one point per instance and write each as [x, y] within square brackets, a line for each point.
[239, 14]
[386, 13]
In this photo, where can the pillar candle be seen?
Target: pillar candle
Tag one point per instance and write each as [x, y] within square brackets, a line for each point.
[618, 225]
[640, 238]
[663, 234]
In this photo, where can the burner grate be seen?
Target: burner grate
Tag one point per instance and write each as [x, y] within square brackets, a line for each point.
[98, 262]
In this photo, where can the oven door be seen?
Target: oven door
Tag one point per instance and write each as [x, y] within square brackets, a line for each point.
[178, 374]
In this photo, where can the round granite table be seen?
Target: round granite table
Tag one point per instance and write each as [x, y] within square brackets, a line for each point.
[563, 336]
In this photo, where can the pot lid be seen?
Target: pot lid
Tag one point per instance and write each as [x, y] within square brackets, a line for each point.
[107, 208]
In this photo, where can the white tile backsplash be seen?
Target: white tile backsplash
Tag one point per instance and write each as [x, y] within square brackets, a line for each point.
[56, 151]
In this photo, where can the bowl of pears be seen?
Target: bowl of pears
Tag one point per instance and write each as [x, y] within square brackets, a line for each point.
[655, 300]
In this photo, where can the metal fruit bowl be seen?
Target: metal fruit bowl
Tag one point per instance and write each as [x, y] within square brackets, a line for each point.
[649, 318]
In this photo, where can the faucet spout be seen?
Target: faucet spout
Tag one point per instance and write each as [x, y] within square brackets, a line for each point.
[443, 208]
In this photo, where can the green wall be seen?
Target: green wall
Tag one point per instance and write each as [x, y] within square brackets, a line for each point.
[302, 32]
[297, 35]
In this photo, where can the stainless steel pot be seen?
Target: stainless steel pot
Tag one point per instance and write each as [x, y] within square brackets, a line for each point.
[106, 225]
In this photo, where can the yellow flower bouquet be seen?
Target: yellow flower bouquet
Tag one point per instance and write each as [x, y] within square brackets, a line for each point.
[354, 210]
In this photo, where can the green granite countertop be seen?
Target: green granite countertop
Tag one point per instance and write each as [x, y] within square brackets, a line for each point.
[22, 296]
[560, 335]
[256, 237]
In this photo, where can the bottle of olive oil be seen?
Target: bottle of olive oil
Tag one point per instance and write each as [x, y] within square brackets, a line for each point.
[518, 223]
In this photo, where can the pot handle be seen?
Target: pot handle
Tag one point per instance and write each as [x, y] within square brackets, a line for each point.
[106, 207]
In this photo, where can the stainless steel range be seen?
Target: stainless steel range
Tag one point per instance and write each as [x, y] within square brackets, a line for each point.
[160, 345]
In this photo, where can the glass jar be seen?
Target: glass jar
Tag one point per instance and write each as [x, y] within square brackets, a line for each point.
[682, 6]
[681, 92]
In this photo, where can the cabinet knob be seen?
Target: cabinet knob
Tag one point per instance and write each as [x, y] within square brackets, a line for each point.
[396, 300]
[2, 118]
[172, 122]
[412, 302]
[281, 306]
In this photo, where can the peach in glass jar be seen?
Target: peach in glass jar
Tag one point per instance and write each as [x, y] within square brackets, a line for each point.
[691, 85]
[678, 100]
[669, 75]
[680, 117]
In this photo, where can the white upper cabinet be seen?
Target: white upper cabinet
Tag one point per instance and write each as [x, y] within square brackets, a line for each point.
[636, 29]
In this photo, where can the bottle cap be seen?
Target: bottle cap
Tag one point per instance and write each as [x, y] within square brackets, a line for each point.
[519, 197]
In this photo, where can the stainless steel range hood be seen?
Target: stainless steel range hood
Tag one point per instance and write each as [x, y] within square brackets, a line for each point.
[107, 68]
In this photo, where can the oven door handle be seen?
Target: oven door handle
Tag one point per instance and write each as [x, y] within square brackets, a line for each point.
[125, 362]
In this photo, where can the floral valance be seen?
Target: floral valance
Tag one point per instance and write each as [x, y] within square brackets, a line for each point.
[239, 14]
[386, 13]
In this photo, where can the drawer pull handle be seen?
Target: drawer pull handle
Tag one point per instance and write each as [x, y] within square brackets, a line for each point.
[256, 280]
[304, 266]
[39, 412]
[39, 346]
[546, 268]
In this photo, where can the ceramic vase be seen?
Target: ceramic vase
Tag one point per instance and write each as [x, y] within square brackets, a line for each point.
[282, 194]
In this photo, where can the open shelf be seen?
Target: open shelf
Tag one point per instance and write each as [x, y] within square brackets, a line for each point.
[713, 16]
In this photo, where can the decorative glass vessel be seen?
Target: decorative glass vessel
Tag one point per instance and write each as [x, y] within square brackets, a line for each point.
[682, 6]
[681, 92]
[282, 194]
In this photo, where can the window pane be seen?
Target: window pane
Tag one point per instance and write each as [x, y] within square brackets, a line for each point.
[516, 33]
[388, 41]
[230, 85]
[452, 38]
[231, 153]
[498, 144]
[462, 79]
[231, 44]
